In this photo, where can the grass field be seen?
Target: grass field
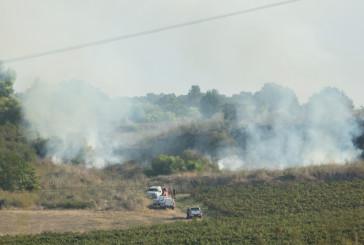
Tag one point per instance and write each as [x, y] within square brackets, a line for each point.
[329, 213]
[20, 221]
[15, 222]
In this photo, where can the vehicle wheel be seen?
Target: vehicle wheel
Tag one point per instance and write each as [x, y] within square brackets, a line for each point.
[172, 208]
[200, 217]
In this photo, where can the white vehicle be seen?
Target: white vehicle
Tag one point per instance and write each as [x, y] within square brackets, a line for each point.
[194, 212]
[159, 199]
[154, 191]
[167, 203]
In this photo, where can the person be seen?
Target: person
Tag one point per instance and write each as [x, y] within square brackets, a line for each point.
[174, 192]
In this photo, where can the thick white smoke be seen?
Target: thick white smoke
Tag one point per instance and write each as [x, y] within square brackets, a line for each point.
[275, 131]
[280, 133]
[78, 120]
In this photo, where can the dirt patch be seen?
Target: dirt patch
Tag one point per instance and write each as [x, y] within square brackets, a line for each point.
[13, 222]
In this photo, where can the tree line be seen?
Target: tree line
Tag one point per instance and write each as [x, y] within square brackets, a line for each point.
[15, 152]
[272, 101]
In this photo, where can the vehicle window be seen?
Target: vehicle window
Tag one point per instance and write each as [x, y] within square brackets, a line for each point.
[195, 209]
[153, 189]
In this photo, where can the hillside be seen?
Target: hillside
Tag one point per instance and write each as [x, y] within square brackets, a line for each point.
[308, 213]
[264, 168]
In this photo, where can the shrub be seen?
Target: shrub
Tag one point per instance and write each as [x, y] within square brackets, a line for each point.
[15, 173]
[71, 204]
[190, 161]
[18, 199]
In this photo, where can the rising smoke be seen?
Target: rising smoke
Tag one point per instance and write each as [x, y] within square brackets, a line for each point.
[281, 133]
[80, 122]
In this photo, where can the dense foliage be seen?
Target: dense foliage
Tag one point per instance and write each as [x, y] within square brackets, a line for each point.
[15, 172]
[9, 105]
[189, 161]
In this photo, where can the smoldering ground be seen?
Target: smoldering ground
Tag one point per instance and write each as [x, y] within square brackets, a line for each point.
[270, 129]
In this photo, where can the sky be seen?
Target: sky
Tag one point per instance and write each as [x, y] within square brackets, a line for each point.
[306, 45]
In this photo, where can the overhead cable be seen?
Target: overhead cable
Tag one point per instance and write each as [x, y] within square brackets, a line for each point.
[147, 32]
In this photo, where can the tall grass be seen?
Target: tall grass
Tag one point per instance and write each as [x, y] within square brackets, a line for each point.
[122, 187]
[67, 186]
[330, 172]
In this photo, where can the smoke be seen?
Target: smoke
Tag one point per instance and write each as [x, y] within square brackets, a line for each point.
[272, 130]
[78, 121]
[279, 133]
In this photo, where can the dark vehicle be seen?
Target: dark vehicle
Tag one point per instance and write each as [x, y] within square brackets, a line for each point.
[194, 212]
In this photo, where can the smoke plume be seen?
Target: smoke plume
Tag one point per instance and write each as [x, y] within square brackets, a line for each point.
[78, 121]
[279, 133]
[271, 129]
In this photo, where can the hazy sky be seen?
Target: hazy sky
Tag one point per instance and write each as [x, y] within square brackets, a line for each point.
[306, 46]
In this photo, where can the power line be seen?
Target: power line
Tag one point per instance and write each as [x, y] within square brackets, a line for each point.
[147, 32]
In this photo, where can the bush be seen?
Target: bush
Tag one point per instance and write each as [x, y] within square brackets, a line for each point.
[15, 173]
[190, 161]
[18, 199]
[71, 204]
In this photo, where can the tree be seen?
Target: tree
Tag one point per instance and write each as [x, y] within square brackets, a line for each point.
[9, 105]
[152, 98]
[275, 97]
[169, 102]
[230, 112]
[194, 96]
[150, 113]
[329, 105]
[190, 161]
[162, 164]
[211, 103]
[7, 78]
[16, 174]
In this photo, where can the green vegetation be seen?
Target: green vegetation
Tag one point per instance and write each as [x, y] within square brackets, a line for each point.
[9, 105]
[188, 162]
[211, 103]
[262, 215]
[117, 187]
[310, 205]
[15, 172]
[184, 201]
[282, 199]
[320, 228]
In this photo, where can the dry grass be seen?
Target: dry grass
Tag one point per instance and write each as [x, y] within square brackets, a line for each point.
[67, 186]
[122, 187]
[329, 172]
[13, 222]
[18, 199]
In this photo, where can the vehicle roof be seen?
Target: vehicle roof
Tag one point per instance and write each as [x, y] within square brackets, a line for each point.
[194, 207]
